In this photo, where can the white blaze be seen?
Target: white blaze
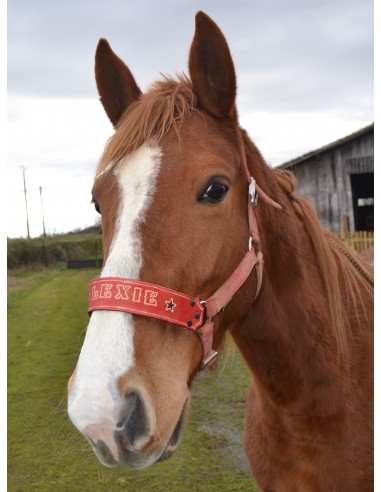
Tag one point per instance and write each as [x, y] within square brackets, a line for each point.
[108, 350]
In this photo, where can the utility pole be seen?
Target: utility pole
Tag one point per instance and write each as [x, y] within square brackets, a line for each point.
[23, 169]
[42, 212]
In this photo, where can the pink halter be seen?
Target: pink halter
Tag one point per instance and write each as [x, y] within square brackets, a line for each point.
[155, 301]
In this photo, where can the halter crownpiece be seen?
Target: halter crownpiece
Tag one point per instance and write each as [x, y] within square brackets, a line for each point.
[156, 301]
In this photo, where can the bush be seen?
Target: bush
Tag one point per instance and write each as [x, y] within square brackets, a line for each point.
[24, 252]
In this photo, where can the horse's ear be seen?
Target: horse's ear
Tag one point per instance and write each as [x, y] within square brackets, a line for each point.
[211, 68]
[116, 85]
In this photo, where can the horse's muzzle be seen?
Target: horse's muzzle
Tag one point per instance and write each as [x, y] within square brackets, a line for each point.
[130, 444]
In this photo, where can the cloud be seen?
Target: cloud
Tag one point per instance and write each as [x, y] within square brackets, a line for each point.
[59, 141]
[279, 47]
[304, 70]
[55, 132]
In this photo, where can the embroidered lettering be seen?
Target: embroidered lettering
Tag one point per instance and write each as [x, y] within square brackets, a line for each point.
[122, 292]
[94, 293]
[105, 291]
[137, 294]
[150, 297]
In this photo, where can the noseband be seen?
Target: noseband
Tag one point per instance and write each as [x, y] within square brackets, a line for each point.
[155, 301]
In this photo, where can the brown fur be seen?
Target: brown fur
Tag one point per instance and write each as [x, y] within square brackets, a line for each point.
[116, 85]
[307, 339]
[165, 106]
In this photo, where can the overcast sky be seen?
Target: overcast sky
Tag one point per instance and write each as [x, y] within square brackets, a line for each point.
[304, 70]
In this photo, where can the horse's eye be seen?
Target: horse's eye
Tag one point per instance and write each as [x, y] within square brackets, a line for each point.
[96, 205]
[214, 193]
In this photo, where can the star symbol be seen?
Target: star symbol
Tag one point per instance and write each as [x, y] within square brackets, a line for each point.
[170, 305]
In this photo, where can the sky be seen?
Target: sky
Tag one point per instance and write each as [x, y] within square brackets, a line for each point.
[304, 70]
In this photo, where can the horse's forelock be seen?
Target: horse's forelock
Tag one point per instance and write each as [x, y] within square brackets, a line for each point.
[165, 105]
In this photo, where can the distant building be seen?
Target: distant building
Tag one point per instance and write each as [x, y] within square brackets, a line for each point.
[339, 180]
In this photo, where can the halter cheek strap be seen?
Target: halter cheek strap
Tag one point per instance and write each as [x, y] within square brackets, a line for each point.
[156, 301]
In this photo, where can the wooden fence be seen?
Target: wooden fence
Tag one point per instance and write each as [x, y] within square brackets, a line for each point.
[84, 263]
[359, 240]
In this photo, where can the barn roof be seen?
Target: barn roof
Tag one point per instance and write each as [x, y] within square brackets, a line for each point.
[332, 145]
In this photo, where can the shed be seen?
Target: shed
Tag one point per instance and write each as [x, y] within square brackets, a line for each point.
[339, 180]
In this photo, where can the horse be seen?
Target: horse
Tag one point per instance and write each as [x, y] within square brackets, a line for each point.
[201, 237]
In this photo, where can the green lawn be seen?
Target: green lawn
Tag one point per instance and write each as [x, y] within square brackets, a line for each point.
[46, 322]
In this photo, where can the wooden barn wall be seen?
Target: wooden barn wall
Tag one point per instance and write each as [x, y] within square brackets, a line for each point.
[325, 178]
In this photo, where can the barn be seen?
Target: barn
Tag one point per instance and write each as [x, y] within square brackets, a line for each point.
[339, 180]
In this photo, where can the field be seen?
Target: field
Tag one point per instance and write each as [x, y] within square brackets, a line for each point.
[46, 323]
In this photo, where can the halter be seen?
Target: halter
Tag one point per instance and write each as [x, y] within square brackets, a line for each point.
[156, 301]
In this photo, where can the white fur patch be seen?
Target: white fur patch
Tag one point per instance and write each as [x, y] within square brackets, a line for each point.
[108, 350]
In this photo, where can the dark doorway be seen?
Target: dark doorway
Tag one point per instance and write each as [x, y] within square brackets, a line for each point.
[363, 201]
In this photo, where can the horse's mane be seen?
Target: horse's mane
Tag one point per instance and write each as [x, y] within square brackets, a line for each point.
[332, 264]
[166, 104]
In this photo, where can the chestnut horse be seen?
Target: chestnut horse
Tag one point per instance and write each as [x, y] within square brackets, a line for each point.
[172, 189]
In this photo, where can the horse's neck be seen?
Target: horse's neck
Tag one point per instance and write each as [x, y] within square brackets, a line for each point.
[284, 339]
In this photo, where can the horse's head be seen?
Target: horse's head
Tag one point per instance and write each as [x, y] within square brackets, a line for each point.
[172, 193]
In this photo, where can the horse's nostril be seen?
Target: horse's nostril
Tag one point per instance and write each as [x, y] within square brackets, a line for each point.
[135, 422]
[104, 454]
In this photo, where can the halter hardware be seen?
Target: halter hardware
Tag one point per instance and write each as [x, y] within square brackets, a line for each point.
[252, 192]
[156, 301]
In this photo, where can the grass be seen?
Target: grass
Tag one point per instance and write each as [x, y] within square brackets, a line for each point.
[46, 322]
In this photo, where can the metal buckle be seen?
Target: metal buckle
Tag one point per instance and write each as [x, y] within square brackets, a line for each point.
[252, 192]
[207, 361]
[250, 243]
